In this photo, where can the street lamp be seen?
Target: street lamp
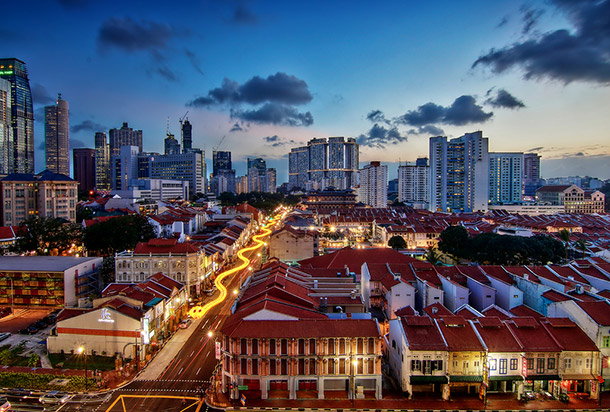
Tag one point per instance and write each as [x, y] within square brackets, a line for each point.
[83, 351]
[354, 366]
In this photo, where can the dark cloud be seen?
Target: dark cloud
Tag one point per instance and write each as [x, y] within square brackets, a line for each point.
[376, 116]
[276, 88]
[503, 22]
[273, 113]
[167, 73]
[428, 129]
[503, 99]
[243, 15]
[40, 95]
[87, 126]
[271, 139]
[535, 149]
[380, 137]
[581, 54]
[236, 128]
[579, 154]
[75, 144]
[530, 17]
[194, 60]
[464, 110]
[276, 141]
[130, 35]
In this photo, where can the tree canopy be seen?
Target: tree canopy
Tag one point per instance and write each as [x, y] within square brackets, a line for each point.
[397, 242]
[47, 236]
[117, 234]
[260, 200]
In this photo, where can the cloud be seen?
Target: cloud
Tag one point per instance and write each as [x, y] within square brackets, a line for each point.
[236, 128]
[130, 35]
[87, 126]
[194, 60]
[273, 113]
[40, 94]
[75, 144]
[276, 88]
[564, 55]
[428, 129]
[530, 17]
[376, 116]
[166, 73]
[276, 141]
[380, 137]
[503, 22]
[535, 149]
[503, 99]
[464, 110]
[243, 15]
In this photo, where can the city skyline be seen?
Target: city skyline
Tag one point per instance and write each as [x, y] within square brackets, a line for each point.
[270, 77]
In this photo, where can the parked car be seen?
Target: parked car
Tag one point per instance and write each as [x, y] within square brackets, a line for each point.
[54, 397]
[4, 335]
[185, 324]
[19, 392]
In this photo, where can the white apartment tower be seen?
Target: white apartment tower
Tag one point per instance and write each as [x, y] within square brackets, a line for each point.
[505, 178]
[373, 189]
[459, 173]
[413, 183]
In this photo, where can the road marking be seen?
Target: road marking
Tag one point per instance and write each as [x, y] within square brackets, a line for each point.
[181, 369]
[192, 353]
[207, 354]
[198, 370]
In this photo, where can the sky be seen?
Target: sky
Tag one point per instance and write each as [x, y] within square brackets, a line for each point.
[260, 77]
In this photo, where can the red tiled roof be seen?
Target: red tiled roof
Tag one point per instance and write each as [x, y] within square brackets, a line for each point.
[532, 336]
[552, 188]
[164, 246]
[496, 335]
[406, 311]
[492, 311]
[522, 272]
[569, 335]
[555, 296]
[459, 334]
[422, 333]
[68, 313]
[523, 310]
[6, 232]
[354, 258]
[497, 272]
[437, 310]
[599, 311]
[321, 328]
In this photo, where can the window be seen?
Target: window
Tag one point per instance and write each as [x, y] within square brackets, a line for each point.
[312, 366]
[371, 346]
[254, 366]
[272, 367]
[244, 347]
[567, 363]
[331, 367]
[530, 363]
[301, 346]
[606, 341]
[503, 363]
[244, 366]
[493, 364]
[465, 365]
[393, 344]
[284, 347]
[301, 364]
[254, 349]
[272, 347]
[550, 363]
[540, 365]
[513, 364]
[312, 346]
[416, 365]
[331, 346]
[284, 366]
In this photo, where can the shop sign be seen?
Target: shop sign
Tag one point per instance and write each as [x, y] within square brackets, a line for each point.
[217, 350]
[105, 316]
[524, 367]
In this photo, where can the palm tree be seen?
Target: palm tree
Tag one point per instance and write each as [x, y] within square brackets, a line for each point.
[564, 235]
[581, 245]
[432, 256]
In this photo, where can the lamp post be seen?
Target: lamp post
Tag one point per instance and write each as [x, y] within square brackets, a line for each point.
[354, 366]
[83, 351]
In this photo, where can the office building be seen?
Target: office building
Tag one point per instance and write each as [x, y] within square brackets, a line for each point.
[531, 174]
[6, 129]
[22, 115]
[257, 168]
[45, 194]
[84, 169]
[125, 136]
[223, 174]
[187, 136]
[185, 166]
[505, 178]
[172, 146]
[271, 179]
[413, 183]
[102, 162]
[373, 189]
[57, 137]
[324, 164]
[459, 173]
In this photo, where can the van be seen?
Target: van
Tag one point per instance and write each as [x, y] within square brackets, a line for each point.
[54, 397]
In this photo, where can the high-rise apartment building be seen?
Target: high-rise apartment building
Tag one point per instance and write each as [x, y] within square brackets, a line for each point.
[6, 129]
[57, 137]
[172, 146]
[223, 174]
[125, 136]
[187, 136]
[505, 178]
[459, 173]
[271, 179]
[102, 162]
[413, 183]
[531, 174]
[323, 164]
[22, 115]
[373, 189]
[84, 168]
[257, 173]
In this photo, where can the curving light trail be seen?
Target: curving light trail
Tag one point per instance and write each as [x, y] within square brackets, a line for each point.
[200, 311]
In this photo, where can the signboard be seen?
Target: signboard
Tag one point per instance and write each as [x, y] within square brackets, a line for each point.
[145, 331]
[242, 399]
[242, 388]
[217, 350]
[105, 316]
[524, 367]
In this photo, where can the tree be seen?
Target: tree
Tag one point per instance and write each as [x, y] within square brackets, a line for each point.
[564, 235]
[454, 241]
[432, 256]
[118, 234]
[581, 245]
[397, 242]
[47, 236]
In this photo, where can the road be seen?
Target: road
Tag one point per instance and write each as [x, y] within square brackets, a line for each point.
[178, 388]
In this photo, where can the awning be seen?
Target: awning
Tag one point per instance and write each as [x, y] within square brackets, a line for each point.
[543, 378]
[466, 378]
[578, 377]
[419, 380]
[506, 378]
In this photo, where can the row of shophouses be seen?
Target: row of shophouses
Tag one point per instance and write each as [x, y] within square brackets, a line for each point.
[308, 331]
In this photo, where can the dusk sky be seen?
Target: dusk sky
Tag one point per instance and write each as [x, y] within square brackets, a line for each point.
[533, 76]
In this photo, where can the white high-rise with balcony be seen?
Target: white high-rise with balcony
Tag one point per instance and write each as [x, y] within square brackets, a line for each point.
[373, 189]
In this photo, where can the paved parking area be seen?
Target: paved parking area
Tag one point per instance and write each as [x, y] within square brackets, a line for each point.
[21, 318]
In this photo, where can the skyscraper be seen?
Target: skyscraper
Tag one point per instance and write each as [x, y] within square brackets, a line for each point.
[257, 173]
[531, 174]
[373, 189]
[459, 173]
[221, 161]
[6, 129]
[22, 115]
[223, 174]
[322, 164]
[187, 136]
[413, 182]
[505, 178]
[171, 145]
[102, 162]
[57, 137]
[84, 168]
[125, 136]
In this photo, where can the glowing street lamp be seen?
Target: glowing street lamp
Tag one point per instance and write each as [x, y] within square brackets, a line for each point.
[82, 351]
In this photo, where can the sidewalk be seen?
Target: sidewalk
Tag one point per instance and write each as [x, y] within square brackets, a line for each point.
[220, 401]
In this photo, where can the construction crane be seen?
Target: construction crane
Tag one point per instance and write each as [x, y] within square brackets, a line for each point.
[219, 143]
[181, 120]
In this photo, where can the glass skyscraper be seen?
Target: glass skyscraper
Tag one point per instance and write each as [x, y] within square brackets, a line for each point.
[57, 137]
[22, 116]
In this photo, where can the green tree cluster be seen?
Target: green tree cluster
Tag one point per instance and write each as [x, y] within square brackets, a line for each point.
[117, 234]
[494, 249]
[46, 236]
[260, 200]
[397, 242]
